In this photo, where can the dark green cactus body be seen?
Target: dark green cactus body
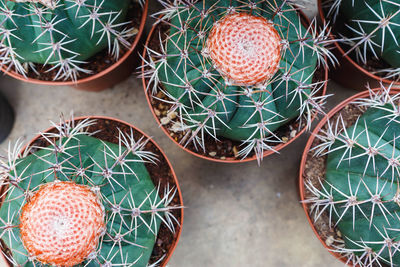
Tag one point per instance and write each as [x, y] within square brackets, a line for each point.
[370, 15]
[237, 114]
[130, 179]
[364, 184]
[32, 37]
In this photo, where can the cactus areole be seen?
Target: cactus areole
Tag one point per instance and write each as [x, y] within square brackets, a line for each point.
[62, 223]
[245, 48]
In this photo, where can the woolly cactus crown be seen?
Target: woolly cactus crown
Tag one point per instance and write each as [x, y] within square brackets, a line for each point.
[81, 200]
[237, 70]
[61, 35]
[360, 191]
[371, 29]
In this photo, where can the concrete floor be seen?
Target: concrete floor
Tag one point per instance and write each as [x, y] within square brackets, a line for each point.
[237, 215]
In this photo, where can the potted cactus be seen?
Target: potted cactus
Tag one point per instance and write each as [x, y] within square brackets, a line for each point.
[87, 44]
[349, 179]
[6, 118]
[91, 191]
[234, 81]
[367, 34]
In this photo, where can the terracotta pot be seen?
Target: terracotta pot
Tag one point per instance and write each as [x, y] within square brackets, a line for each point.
[105, 79]
[162, 154]
[228, 159]
[349, 73]
[6, 118]
[302, 189]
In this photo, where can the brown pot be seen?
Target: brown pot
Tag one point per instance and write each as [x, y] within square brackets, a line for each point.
[7, 117]
[228, 159]
[304, 158]
[349, 73]
[161, 153]
[105, 79]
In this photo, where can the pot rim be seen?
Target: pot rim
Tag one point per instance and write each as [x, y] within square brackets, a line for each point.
[179, 232]
[90, 78]
[230, 160]
[347, 57]
[307, 148]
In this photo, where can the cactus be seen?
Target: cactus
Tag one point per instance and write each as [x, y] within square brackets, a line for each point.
[371, 29]
[81, 200]
[61, 34]
[360, 191]
[237, 70]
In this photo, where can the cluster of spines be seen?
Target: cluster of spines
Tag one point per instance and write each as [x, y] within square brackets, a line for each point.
[362, 43]
[310, 102]
[160, 208]
[66, 68]
[323, 201]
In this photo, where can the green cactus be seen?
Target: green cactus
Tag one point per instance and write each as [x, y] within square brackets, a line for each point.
[360, 191]
[371, 28]
[209, 101]
[117, 175]
[62, 35]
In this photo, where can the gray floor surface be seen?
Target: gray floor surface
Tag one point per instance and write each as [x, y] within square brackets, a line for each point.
[237, 215]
